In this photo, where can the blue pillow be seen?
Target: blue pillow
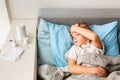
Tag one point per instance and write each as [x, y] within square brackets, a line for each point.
[43, 44]
[108, 34]
[61, 41]
[54, 41]
[119, 40]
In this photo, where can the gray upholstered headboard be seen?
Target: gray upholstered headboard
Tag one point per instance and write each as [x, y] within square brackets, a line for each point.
[70, 16]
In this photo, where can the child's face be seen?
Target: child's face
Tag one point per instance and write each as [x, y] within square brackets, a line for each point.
[78, 39]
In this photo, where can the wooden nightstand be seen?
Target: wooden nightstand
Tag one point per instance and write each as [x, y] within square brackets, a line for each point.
[24, 68]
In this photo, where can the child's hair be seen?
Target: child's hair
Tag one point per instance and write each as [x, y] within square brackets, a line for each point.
[85, 25]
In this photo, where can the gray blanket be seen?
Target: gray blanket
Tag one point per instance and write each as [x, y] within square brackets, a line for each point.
[111, 64]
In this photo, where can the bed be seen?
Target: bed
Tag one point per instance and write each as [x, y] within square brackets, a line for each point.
[67, 17]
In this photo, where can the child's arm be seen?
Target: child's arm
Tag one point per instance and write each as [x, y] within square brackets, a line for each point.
[77, 69]
[88, 34]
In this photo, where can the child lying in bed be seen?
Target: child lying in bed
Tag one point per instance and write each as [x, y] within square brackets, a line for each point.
[84, 57]
[85, 42]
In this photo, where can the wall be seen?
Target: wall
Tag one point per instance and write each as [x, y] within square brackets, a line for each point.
[4, 23]
[28, 9]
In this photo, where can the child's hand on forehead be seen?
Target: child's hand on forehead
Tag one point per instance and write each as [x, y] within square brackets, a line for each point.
[73, 28]
[73, 34]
